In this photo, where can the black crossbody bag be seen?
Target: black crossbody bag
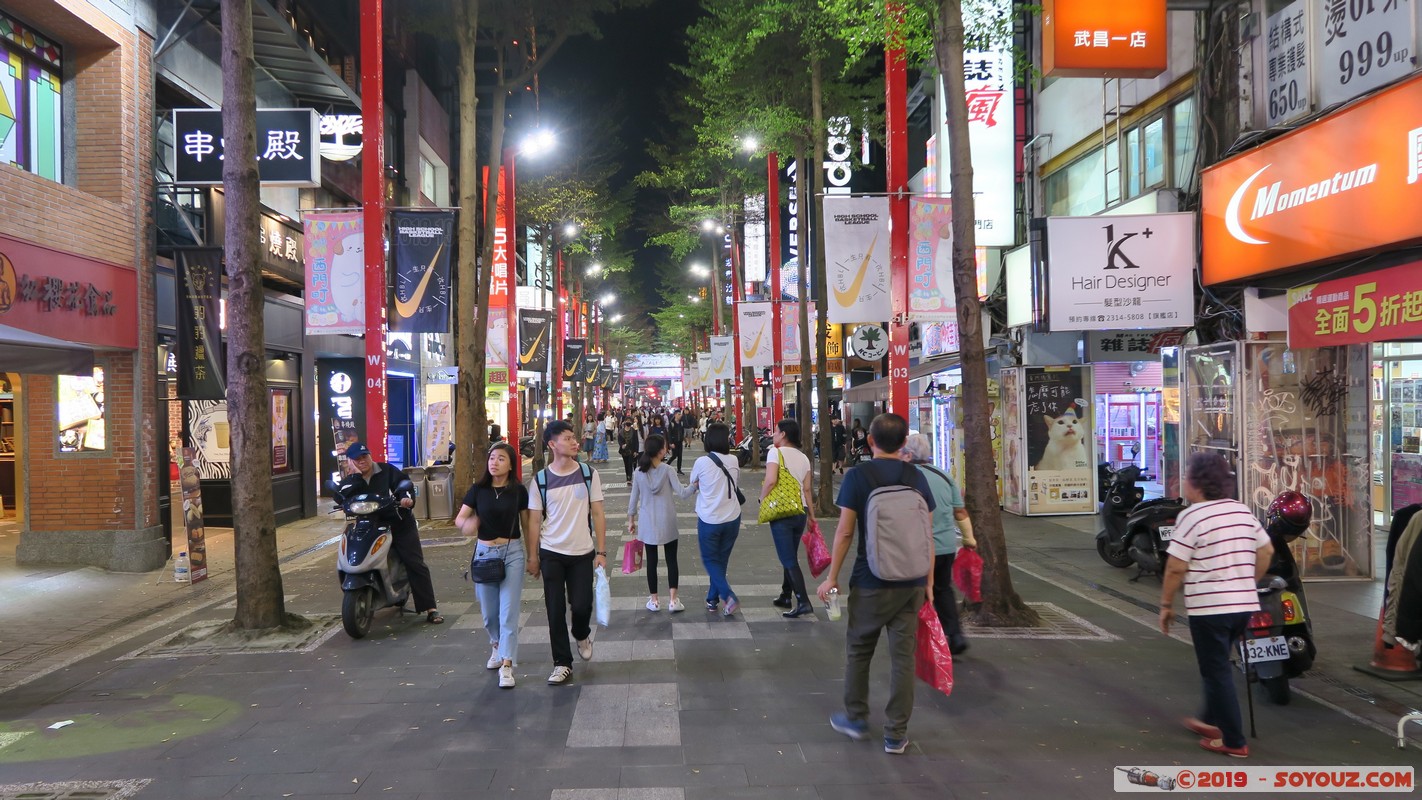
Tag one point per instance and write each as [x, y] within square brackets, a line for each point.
[490, 570]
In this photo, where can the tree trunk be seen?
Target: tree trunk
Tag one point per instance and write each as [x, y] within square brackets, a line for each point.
[802, 217]
[1001, 604]
[260, 600]
[824, 496]
[469, 347]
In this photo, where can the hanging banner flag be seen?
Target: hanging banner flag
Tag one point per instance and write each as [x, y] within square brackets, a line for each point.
[496, 339]
[755, 239]
[200, 359]
[420, 245]
[857, 258]
[790, 333]
[535, 334]
[335, 272]
[604, 377]
[757, 335]
[988, 77]
[592, 362]
[931, 295]
[703, 370]
[573, 357]
[723, 358]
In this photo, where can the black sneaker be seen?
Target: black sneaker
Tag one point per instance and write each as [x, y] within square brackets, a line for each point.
[783, 601]
[712, 605]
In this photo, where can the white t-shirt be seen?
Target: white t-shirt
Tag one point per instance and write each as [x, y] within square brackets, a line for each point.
[712, 503]
[565, 526]
[1219, 540]
[796, 462]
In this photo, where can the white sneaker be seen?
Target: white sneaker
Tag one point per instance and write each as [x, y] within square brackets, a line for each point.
[506, 676]
[585, 648]
[494, 660]
[560, 675]
[674, 605]
[652, 604]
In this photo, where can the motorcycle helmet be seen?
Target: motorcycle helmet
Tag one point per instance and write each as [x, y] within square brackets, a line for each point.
[1289, 516]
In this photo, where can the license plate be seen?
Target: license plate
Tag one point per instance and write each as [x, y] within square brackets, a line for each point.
[1275, 648]
[1165, 532]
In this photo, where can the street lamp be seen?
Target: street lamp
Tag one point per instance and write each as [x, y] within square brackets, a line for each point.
[594, 269]
[608, 299]
[615, 318]
[570, 230]
[750, 144]
[538, 142]
[708, 225]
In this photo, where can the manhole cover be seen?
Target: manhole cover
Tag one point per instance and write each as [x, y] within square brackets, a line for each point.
[73, 790]
[1057, 623]
[209, 639]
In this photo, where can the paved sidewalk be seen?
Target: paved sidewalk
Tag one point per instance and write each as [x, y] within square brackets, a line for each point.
[691, 705]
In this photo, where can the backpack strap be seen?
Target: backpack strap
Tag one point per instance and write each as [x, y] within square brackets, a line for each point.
[540, 480]
[587, 484]
[936, 471]
[730, 484]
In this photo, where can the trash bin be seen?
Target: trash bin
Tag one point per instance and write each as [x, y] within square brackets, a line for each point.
[439, 490]
[422, 501]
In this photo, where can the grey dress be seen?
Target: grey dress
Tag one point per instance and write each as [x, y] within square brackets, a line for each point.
[653, 500]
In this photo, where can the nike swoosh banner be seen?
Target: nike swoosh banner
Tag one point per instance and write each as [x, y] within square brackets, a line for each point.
[723, 358]
[591, 364]
[573, 356]
[604, 377]
[535, 331]
[757, 335]
[703, 370]
[857, 258]
[420, 247]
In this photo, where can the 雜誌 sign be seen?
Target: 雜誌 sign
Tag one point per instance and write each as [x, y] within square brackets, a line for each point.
[1112, 272]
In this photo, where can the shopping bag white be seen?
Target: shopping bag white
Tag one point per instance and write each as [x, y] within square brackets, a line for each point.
[602, 597]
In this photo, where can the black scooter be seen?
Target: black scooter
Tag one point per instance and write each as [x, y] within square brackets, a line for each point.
[370, 572]
[1279, 637]
[1134, 531]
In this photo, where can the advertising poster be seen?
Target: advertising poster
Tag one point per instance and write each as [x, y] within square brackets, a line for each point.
[535, 333]
[496, 342]
[931, 259]
[857, 258]
[192, 514]
[210, 437]
[757, 335]
[592, 362]
[1012, 466]
[439, 430]
[340, 406]
[723, 362]
[419, 248]
[573, 356]
[703, 370]
[988, 77]
[604, 377]
[1061, 472]
[281, 430]
[335, 272]
[200, 358]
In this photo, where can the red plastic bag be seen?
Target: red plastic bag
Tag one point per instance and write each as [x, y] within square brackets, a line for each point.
[933, 663]
[815, 549]
[632, 553]
[968, 574]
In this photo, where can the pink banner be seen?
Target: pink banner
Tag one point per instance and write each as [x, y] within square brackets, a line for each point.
[335, 272]
[496, 342]
[931, 265]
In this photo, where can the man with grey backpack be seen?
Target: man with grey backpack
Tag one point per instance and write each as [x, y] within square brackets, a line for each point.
[887, 501]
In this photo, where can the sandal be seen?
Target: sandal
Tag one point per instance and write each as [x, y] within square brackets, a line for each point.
[434, 617]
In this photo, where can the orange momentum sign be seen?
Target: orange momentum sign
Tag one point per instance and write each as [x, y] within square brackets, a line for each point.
[1094, 39]
[1373, 307]
[1345, 185]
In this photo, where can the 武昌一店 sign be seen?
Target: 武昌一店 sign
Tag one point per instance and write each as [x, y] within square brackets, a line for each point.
[1341, 186]
[1112, 272]
[1373, 307]
[287, 140]
[1092, 39]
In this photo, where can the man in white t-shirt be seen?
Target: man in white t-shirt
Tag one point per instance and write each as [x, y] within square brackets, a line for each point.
[566, 505]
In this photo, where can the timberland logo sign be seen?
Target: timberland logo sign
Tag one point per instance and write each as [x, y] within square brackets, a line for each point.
[1337, 188]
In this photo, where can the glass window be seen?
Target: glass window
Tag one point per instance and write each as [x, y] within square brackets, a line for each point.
[31, 118]
[428, 178]
[1077, 190]
[81, 412]
[1113, 175]
[1153, 148]
[1183, 141]
[1133, 162]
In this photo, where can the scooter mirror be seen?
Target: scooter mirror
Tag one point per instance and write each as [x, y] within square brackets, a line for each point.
[332, 487]
[405, 486]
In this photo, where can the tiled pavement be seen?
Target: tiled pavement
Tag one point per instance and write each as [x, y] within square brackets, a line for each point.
[690, 705]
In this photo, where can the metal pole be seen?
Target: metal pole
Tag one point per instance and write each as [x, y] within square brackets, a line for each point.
[772, 217]
[506, 195]
[559, 331]
[896, 119]
[372, 103]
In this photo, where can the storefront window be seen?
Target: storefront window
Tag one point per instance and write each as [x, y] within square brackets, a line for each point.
[31, 118]
[1153, 147]
[1133, 162]
[1183, 141]
[1078, 190]
[81, 412]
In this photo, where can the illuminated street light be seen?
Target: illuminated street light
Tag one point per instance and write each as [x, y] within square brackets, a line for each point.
[608, 299]
[539, 142]
[708, 225]
[615, 318]
[750, 144]
[570, 230]
[594, 269]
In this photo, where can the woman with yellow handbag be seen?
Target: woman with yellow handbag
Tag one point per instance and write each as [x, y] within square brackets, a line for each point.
[785, 503]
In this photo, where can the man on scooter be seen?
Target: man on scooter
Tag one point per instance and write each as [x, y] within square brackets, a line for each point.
[380, 478]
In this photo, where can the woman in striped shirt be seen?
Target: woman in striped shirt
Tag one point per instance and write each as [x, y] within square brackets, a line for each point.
[1218, 553]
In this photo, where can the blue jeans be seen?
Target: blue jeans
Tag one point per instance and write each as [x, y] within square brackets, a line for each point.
[500, 602]
[1214, 635]
[786, 533]
[716, 540]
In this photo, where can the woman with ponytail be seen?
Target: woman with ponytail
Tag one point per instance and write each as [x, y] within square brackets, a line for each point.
[652, 503]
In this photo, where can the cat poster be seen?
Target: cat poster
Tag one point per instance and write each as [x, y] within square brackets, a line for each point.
[1060, 442]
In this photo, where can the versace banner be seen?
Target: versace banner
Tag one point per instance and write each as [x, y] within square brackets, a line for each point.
[200, 367]
[573, 356]
[592, 362]
[535, 332]
[420, 252]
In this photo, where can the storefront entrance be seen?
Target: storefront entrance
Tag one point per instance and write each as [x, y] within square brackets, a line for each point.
[1397, 429]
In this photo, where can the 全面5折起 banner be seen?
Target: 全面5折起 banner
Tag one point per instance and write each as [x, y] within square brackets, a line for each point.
[1373, 307]
[1330, 189]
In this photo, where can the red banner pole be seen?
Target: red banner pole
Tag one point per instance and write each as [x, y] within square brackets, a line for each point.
[372, 94]
[896, 119]
[772, 263]
[560, 305]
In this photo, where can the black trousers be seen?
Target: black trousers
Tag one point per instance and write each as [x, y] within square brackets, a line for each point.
[567, 580]
[405, 541]
[944, 601]
[629, 463]
[676, 448]
[673, 574]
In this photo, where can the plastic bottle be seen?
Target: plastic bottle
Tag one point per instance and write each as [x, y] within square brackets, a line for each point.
[181, 569]
[833, 608]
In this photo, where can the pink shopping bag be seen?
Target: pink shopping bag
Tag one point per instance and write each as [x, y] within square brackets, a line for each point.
[632, 553]
[815, 549]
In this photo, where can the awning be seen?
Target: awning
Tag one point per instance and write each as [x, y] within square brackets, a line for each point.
[878, 391]
[32, 354]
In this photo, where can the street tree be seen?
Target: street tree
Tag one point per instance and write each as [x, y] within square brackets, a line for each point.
[932, 32]
[260, 600]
